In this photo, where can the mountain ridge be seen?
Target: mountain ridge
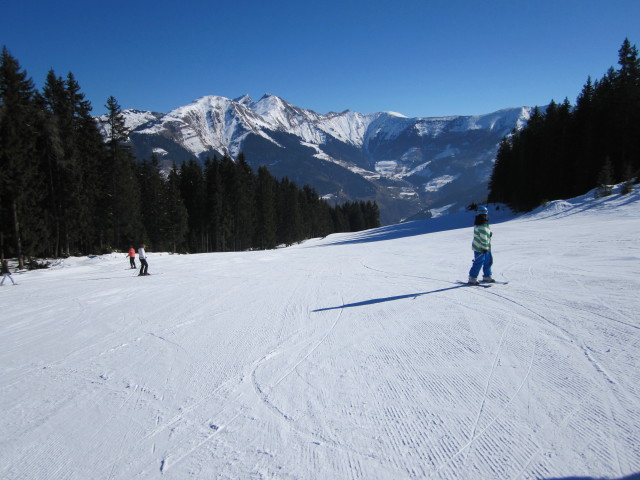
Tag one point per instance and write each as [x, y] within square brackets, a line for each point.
[422, 166]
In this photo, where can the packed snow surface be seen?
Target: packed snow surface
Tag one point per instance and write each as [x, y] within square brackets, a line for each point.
[356, 356]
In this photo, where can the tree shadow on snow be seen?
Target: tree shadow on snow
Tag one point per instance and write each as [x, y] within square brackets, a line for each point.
[389, 299]
[417, 227]
[390, 232]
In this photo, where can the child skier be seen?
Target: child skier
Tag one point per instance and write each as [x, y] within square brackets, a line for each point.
[481, 248]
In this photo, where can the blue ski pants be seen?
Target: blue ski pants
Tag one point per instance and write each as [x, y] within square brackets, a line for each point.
[481, 261]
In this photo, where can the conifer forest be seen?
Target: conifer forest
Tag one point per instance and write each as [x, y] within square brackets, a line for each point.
[66, 190]
[568, 150]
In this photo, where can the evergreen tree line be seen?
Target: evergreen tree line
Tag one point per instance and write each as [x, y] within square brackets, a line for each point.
[567, 151]
[66, 190]
[230, 208]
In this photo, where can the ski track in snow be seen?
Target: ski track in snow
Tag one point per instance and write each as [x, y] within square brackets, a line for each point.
[337, 358]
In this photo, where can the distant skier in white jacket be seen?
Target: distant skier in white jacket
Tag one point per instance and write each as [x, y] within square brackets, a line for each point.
[142, 256]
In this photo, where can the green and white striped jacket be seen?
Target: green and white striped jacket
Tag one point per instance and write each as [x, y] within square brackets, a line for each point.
[481, 238]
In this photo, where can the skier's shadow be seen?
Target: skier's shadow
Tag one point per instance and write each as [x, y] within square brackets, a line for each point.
[387, 299]
[634, 476]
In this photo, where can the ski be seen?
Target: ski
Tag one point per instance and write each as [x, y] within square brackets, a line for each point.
[496, 282]
[467, 284]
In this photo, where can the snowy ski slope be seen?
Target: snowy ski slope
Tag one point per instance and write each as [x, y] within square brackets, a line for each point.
[356, 356]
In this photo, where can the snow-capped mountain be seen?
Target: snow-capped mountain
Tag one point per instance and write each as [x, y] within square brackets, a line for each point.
[410, 166]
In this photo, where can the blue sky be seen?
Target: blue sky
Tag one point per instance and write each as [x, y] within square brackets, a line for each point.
[420, 58]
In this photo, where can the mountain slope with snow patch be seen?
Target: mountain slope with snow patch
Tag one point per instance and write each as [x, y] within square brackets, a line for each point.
[384, 156]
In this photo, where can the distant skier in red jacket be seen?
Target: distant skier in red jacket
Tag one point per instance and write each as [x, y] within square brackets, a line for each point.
[132, 256]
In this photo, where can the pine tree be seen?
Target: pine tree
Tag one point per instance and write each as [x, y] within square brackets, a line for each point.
[215, 204]
[227, 220]
[499, 191]
[153, 202]
[244, 204]
[604, 180]
[18, 171]
[371, 215]
[88, 151]
[121, 207]
[289, 214]
[176, 214]
[355, 216]
[325, 219]
[48, 148]
[192, 190]
[584, 140]
[266, 223]
[69, 165]
[340, 220]
[629, 72]
[629, 180]
[628, 115]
